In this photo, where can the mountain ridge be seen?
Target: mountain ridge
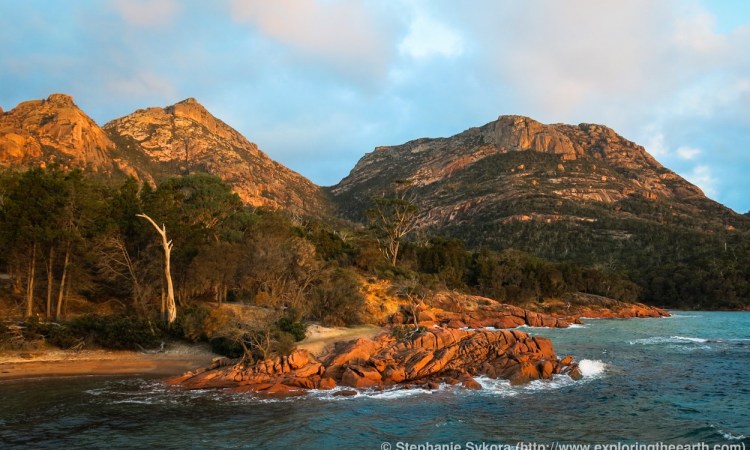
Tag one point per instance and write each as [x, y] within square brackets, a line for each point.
[568, 193]
[151, 145]
[588, 163]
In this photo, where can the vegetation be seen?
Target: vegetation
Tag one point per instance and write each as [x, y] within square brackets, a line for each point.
[83, 268]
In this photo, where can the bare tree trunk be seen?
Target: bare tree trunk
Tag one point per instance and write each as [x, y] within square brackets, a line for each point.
[167, 246]
[16, 277]
[163, 310]
[30, 283]
[395, 244]
[50, 280]
[63, 278]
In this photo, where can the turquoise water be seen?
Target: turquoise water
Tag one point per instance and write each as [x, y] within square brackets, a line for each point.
[682, 380]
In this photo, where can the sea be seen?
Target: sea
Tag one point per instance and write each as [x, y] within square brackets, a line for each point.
[676, 383]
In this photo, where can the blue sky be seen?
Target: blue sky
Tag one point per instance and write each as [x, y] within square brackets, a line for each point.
[317, 83]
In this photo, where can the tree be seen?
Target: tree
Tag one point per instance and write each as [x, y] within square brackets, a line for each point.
[392, 218]
[168, 307]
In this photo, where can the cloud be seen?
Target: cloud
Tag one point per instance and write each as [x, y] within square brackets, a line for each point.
[352, 75]
[688, 152]
[147, 13]
[655, 145]
[351, 35]
[428, 37]
[702, 176]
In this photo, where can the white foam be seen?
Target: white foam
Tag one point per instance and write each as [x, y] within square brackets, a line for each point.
[729, 436]
[502, 388]
[669, 340]
[681, 316]
[689, 339]
[385, 394]
[592, 368]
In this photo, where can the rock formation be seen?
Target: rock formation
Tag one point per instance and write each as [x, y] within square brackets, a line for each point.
[434, 357]
[465, 176]
[456, 310]
[151, 145]
[576, 306]
[185, 138]
[55, 130]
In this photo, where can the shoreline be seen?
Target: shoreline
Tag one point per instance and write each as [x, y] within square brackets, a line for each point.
[177, 359]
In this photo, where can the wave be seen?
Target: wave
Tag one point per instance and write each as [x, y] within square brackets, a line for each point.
[727, 435]
[570, 327]
[674, 315]
[341, 393]
[592, 368]
[670, 340]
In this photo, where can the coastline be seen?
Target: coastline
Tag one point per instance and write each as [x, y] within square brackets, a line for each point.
[176, 359]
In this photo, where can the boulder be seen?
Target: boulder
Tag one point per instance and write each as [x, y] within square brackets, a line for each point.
[436, 356]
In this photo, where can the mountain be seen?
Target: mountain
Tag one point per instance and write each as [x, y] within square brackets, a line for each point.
[482, 172]
[570, 193]
[153, 144]
[55, 130]
[185, 138]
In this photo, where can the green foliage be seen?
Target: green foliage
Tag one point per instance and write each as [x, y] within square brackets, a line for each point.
[517, 277]
[392, 219]
[117, 332]
[447, 259]
[192, 322]
[295, 328]
[228, 347]
[53, 333]
[336, 300]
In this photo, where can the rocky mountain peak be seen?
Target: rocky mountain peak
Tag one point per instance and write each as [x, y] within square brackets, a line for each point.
[483, 171]
[519, 133]
[61, 100]
[53, 130]
[186, 137]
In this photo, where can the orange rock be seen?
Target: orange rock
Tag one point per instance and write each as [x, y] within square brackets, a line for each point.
[394, 374]
[527, 372]
[327, 383]
[357, 351]
[472, 384]
[440, 355]
[361, 377]
[546, 369]
[309, 370]
[298, 359]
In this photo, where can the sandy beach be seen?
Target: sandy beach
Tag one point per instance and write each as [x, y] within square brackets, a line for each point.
[177, 358]
[321, 339]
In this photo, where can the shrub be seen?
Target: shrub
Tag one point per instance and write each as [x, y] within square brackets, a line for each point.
[336, 300]
[294, 327]
[230, 348]
[117, 332]
[192, 322]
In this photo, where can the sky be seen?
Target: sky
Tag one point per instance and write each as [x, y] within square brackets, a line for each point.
[318, 83]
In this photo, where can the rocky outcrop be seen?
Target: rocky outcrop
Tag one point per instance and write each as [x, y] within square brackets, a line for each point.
[580, 305]
[455, 310]
[55, 130]
[436, 356]
[185, 138]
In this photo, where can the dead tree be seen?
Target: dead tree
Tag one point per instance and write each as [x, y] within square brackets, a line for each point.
[171, 309]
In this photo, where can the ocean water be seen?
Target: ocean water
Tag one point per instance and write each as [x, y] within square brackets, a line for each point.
[680, 380]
